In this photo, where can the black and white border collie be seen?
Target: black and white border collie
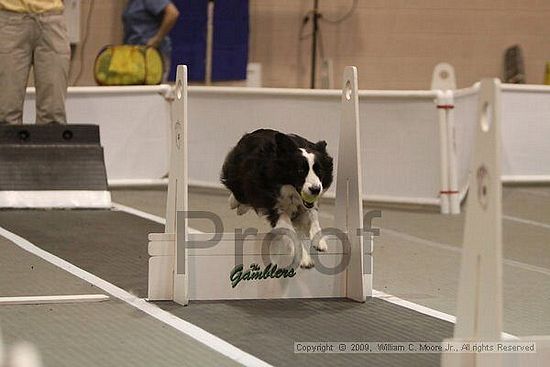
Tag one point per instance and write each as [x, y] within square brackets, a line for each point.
[272, 172]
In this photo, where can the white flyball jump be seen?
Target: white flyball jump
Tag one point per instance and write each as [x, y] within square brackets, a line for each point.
[479, 308]
[185, 265]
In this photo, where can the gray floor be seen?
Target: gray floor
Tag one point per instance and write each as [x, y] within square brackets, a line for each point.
[111, 245]
[417, 257]
[269, 328]
[109, 333]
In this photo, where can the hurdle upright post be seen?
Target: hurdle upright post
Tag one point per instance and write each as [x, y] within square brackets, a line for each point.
[479, 301]
[349, 198]
[168, 262]
[479, 311]
[177, 214]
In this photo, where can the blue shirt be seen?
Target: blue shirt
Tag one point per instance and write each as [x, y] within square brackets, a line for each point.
[142, 19]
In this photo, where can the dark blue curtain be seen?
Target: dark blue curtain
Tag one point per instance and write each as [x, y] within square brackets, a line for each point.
[230, 49]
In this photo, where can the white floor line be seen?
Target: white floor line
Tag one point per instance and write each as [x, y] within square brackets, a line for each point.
[526, 221]
[458, 250]
[387, 297]
[411, 305]
[534, 193]
[382, 295]
[217, 344]
[425, 310]
[59, 299]
[138, 213]
[145, 215]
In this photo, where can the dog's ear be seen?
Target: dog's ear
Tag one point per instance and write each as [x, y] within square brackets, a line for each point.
[284, 143]
[321, 146]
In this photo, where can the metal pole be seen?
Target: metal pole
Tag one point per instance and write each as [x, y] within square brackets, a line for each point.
[209, 43]
[314, 42]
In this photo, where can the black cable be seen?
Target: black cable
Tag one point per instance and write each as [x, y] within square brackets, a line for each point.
[84, 41]
[305, 21]
[315, 20]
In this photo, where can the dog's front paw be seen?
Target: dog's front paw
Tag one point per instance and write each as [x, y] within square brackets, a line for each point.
[321, 245]
[307, 263]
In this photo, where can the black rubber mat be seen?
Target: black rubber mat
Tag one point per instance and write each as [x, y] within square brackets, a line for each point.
[269, 328]
[43, 167]
[51, 157]
[112, 245]
[109, 333]
[109, 244]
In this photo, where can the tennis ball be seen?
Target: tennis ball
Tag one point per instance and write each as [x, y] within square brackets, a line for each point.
[309, 198]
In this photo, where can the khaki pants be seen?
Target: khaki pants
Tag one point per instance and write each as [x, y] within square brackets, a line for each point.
[40, 40]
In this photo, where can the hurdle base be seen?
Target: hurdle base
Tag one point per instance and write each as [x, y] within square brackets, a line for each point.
[213, 273]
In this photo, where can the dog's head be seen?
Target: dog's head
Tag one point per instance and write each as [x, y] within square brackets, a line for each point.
[306, 166]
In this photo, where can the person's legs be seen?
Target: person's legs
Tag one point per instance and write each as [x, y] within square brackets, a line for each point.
[16, 44]
[51, 69]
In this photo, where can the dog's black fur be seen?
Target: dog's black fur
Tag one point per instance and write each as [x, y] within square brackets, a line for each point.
[266, 160]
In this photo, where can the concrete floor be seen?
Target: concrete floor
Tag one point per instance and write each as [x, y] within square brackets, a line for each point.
[417, 256]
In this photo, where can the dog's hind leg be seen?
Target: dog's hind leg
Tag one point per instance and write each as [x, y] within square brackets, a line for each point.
[235, 204]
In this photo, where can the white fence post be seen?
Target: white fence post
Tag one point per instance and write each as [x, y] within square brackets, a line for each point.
[444, 81]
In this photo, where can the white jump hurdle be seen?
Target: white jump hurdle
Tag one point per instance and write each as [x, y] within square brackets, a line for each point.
[180, 271]
[479, 308]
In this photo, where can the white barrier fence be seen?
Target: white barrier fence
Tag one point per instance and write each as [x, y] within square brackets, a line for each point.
[412, 152]
[402, 132]
[525, 130]
[397, 122]
[134, 127]
[525, 133]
